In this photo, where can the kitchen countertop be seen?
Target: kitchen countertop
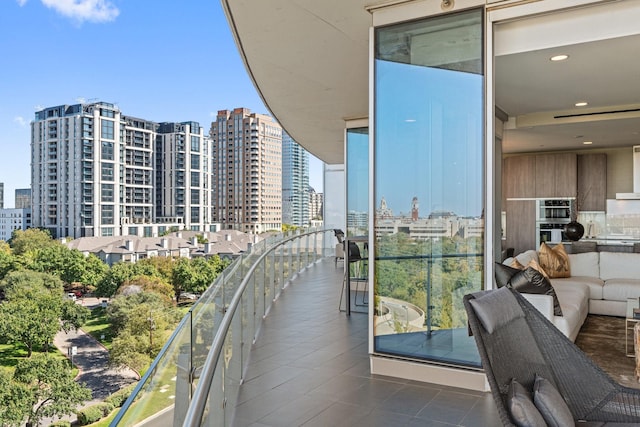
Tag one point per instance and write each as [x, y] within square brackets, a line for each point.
[612, 240]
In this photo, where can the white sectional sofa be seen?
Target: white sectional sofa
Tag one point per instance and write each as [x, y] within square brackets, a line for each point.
[600, 283]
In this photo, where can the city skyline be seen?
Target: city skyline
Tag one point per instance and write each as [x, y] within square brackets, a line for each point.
[117, 52]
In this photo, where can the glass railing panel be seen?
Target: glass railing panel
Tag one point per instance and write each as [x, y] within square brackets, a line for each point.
[259, 294]
[417, 313]
[215, 410]
[181, 368]
[236, 355]
[167, 378]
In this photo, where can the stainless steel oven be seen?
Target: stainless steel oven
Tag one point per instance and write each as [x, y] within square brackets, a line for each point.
[554, 210]
[551, 217]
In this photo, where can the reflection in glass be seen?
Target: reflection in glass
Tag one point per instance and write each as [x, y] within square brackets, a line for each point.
[428, 185]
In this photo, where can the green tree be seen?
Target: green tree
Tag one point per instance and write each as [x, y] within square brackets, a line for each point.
[7, 263]
[31, 322]
[95, 270]
[15, 401]
[162, 266]
[196, 275]
[142, 321]
[53, 390]
[120, 307]
[114, 278]
[128, 350]
[34, 310]
[289, 227]
[149, 284]
[72, 315]
[25, 241]
[183, 277]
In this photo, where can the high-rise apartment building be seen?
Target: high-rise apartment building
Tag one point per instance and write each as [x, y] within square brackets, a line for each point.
[183, 187]
[315, 204]
[23, 198]
[97, 172]
[295, 182]
[246, 153]
[1, 195]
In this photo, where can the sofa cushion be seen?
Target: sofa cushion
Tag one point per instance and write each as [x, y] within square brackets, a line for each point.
[503, 274]
[621, 289]
[585, 264]
[525, 257]
[595, 284]
[618, 265]
[531, 281]
[555, 261]
[574, 301]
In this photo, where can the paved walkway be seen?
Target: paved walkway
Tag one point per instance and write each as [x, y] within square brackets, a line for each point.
[92, 359]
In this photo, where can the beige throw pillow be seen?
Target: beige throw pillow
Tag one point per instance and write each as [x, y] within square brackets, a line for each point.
[554, 261]
[533, 264]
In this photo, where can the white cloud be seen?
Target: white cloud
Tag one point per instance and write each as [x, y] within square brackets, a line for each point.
[20, 121]
[21, 2]
[84, 10]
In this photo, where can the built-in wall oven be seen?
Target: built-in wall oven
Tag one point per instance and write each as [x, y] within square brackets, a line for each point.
[551, 217]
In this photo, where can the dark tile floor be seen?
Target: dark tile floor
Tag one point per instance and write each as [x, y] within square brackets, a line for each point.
[310, 367]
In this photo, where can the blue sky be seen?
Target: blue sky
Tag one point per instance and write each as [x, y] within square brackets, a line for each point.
[162, 61]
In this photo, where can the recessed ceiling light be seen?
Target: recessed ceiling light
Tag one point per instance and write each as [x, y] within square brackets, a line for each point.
[559, 57]
[410, 120]
[582, 104]
[588, 142]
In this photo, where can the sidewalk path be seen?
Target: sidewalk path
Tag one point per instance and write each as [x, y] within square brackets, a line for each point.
[93, 361]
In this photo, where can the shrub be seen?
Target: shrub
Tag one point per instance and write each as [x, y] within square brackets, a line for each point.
[89, 415]
[60, 423]
[118, 398]
[106, 408]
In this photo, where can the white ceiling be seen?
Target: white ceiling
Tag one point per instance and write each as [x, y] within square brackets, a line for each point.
[309, 60]
[604, 73]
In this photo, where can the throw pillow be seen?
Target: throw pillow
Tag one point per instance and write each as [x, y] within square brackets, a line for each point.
[503, 274]
[531, 281]
[521, 407]
[516, 264]
[551, 404]
[496, 308]
[554, 261]
[532, 263]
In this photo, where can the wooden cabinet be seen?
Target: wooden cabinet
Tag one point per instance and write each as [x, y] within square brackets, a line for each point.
[556, 175]
[592, 182]
[521, 225]
[518, 175]
[534, 176]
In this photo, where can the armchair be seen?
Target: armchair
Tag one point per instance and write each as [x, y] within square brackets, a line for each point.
[516, 341]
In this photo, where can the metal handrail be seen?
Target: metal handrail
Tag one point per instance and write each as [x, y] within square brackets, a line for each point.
[199, 399]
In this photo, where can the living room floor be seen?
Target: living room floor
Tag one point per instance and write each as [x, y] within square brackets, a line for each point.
[603, 339]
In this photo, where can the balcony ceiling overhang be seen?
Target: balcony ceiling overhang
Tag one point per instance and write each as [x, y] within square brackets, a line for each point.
[309, 61]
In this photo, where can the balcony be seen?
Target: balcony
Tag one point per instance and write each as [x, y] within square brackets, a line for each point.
[306, 363]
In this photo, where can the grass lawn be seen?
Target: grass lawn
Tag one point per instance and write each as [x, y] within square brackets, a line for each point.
[10, 355]
[98, 326]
